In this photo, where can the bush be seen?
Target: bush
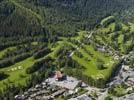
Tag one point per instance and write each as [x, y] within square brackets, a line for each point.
[6, 62]
[108, 98]
[35, 67]
[3, 75]
[21, 57]
[41, 53]
[100, 64]
[40, 65]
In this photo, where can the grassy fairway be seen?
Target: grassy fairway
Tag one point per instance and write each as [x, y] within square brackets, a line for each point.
[110, 27]
[106, 19]
[103, 36]
[16, 76]
[80, 35]
[6, 50]
[19, 76]
[90, 66]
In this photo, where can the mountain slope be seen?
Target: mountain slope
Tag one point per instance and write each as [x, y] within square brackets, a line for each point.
[61, 16]
[17, 20]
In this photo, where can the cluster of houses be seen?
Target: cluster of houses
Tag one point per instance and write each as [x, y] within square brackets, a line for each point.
[39, 92]
[65, 86]
[127, 97]
[126, 75]
[52, 88]
[68, 87]
[108, 50]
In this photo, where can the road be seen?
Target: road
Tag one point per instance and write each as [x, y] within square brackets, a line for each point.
[103, 95]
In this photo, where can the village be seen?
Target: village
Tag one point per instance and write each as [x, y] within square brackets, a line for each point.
[64, 86]
[70, 88]
[126, 77]
[56, 86]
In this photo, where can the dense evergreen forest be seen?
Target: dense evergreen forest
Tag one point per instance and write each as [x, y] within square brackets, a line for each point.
[32, 17]
[57, 17]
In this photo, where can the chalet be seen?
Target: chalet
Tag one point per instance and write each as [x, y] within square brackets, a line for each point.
[130, 81]
[84, 97]
[101, 49]
[38, 86]
[59, 76]
[58, 93]
[46, 98]
[125, 68]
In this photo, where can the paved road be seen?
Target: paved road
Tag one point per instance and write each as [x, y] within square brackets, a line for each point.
[102, 97]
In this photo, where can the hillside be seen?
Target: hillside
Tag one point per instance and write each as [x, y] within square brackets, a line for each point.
[86, 39]
[34, 18]
[23, 17]
[90, 55]
[18, 20]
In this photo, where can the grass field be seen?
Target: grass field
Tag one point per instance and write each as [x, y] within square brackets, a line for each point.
[106, 19]
[107, 29]
[90, 66]
[108, 35]
[6, 50]
[16, 76]
[19, 76]
[89, 59]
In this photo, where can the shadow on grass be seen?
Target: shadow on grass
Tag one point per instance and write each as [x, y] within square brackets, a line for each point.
[3, 76]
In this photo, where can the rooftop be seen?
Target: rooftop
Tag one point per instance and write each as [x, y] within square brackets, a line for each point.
[69, 83]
